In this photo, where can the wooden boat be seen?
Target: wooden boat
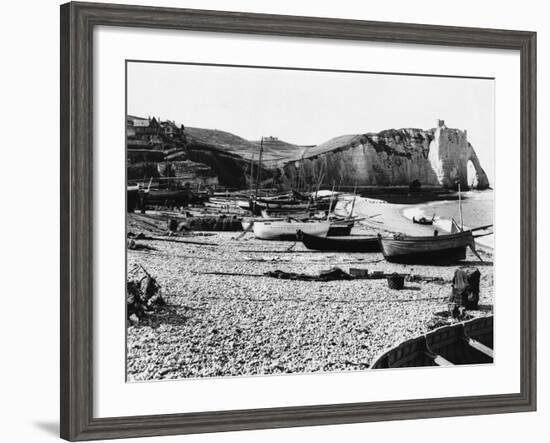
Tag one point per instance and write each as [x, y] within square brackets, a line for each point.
[287, 205]
[469, 342]
[298, 215]
[435, 249]
[339, 244]
[244, 204]
[285, 230]
[247, 222]
[423, 221]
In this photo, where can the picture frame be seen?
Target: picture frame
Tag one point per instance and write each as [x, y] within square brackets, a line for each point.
[78, 21]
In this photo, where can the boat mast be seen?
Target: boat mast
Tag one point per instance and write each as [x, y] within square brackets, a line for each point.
[259, 168]
[353, 203]
[300, 171]
[330, 202]
[460, 209]
[252, 170]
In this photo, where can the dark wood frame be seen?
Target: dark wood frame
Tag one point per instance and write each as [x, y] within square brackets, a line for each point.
[77, 24]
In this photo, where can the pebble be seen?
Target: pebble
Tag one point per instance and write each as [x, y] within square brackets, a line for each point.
[216, 325]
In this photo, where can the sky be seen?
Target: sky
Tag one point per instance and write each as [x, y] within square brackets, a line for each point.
[311, 107]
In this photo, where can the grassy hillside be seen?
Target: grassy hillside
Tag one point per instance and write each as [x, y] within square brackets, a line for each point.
[340, 142]
[279, 150]
[221, 139]
[274, 150]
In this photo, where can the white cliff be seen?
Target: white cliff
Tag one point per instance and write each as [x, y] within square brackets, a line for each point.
[435, 157]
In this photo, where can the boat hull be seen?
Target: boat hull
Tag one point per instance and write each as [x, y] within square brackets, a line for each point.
[298, 215]
[442, 249]
[247, 222]
[275, 230]
[337, 244]
[420, 222]
[458, 344]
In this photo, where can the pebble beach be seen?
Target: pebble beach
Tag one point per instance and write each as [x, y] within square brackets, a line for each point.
[223, 317]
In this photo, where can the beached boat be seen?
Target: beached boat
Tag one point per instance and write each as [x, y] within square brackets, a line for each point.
[244, 204]
[339, 244]
[169, 197]
[469, 342]
[298, 215]
[424, 221]
[437, 249]
[247, 222]
[284, 205]
[285, 230]
[294, 204]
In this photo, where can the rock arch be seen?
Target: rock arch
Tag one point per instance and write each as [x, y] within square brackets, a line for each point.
[475, 176]
[471, 175]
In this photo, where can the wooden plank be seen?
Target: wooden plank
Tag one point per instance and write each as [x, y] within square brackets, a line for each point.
[438, 360]
[479, 346]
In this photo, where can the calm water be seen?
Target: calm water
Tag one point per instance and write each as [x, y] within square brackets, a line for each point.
[477, 210]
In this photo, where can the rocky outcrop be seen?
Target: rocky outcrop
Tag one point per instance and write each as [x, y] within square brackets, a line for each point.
[454, 160]
[434, 157]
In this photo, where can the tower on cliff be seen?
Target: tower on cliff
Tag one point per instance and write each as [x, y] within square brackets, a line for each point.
[451, 155]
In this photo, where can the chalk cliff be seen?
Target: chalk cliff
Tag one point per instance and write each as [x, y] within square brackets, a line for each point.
[397, 157]
[440, 157]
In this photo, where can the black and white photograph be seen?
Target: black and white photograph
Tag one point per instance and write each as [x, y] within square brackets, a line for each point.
[290, 221]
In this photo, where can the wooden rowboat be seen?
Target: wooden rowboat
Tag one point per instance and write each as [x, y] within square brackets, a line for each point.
[298, 215]
[437, 249]
[423, 221]
[469, 342]
[284, 230]
[248, 222]
[340, 244]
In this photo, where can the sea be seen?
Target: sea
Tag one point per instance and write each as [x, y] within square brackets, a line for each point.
[477, 210]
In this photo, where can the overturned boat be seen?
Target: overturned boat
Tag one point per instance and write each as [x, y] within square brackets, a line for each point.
[469, 342]
[339, 244]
